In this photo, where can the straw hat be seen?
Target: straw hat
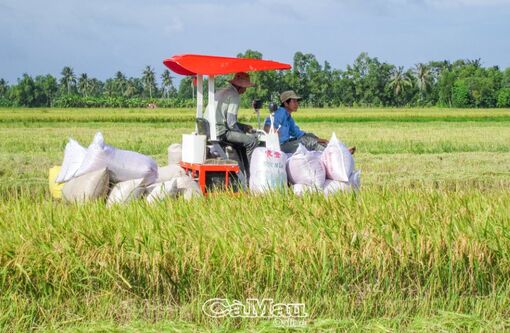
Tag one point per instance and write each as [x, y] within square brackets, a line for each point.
[242, 79]
[289, 94]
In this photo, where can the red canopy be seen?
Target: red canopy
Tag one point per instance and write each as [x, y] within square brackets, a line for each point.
[193, 64]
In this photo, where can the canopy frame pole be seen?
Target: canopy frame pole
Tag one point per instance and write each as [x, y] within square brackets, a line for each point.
[200, 95]
[211, 110]
[200, 99]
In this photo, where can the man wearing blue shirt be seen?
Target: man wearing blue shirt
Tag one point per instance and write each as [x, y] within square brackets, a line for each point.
[289, 133]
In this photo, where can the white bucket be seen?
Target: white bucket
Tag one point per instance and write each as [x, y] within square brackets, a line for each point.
[193, 148]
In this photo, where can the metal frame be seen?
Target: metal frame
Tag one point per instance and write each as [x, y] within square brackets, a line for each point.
[211, 105]
[211, 108]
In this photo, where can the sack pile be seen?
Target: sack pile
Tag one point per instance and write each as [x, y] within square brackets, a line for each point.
[102, 171]
[328, 172]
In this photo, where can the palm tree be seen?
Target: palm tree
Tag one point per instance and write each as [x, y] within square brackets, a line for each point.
[68, 79]
[84, 85]
[96, 87]
[399, 81]
[477, 63]
[120, 83]
[149, 80]
[423, 79]
[130, 89]
[167, 83]
[109, 88]
[3, 87]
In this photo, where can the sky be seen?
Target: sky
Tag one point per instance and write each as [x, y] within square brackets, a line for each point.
[101, 37]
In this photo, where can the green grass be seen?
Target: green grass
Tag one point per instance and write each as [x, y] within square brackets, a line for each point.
[424, 247]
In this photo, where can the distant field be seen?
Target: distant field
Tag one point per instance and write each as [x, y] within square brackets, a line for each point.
[425, 245]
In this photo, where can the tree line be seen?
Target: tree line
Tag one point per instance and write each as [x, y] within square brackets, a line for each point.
[367, 82]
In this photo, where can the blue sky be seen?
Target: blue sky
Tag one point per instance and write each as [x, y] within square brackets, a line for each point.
[100, 37]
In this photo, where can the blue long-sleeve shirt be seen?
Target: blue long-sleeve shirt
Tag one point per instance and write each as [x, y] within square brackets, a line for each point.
[288, 128]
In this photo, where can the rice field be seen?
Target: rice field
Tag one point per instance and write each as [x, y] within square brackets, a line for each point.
[424, 247]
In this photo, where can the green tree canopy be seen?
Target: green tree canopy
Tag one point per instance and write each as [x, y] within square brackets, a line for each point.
[366, 82]
[149, 82]
[68, 80]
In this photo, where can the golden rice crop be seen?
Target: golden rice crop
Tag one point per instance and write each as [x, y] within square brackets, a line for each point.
[423, 247]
